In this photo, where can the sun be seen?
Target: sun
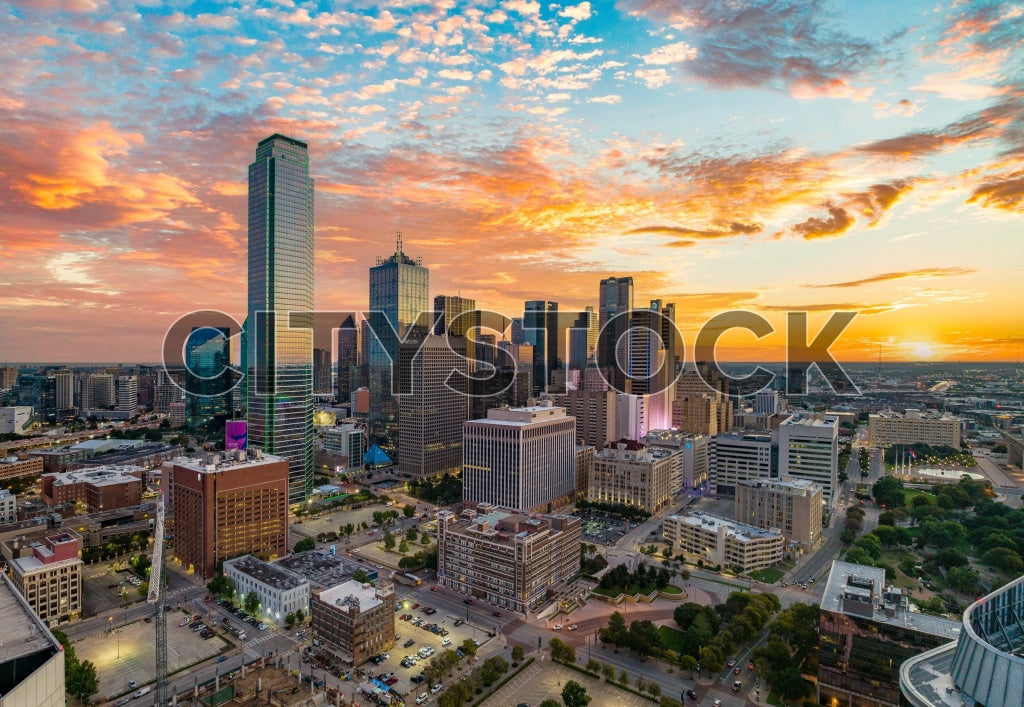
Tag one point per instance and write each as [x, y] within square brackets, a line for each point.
[921, 349]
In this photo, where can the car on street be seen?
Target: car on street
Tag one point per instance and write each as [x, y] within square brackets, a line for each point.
[690, 694]
[222, 659]
[737, 670]
[123, 701]
[436, 689]
[208, 599]
[750, 666]
[430, 610]
[718, 703]
[556, 627]
[132, 684]
[261, 626]
[573, 627]
[391, 680]
[736, 686]
[731, 662]
[496, 613]
[468, 602]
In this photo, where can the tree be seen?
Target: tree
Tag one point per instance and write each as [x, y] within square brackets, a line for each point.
[887, 518]
[575, 695]
[608, 671]
[389, 540]
[252, 603]
[408, 510]
[403, 547]
[561, 651]
[425, 538]
[593, 666]
[1003, 559]
[848, 536]
[347, 529]
[888, 492]
[289, 620]
[300, 615]
[654, 689]
[304, 545]
[518, 654]
[411, 534]
[361, 577]
[623, 676]
[644, 638]
[550, 703]
[81, 680]
[688, 663]
[616, 631]
[469, 647]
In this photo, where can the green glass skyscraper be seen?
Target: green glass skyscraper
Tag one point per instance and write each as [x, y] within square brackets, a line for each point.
[279, 336]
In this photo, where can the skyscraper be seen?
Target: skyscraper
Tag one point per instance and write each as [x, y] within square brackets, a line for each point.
[540, 324]
[616, 298]
[348, 359]
[322, 372]
[207, 356]
[809, 449]
[399, 297]
[280, 335]
[583, 339]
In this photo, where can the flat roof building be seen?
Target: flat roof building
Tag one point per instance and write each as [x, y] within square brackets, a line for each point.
[711, 540]
[629, 473]
[809, 449]
[32, 660]
[791, 505]
[354, 621]
[100, 488]
[740, 457]
[888, 428]
[278, 591]
[48, 573]
[322, 569]
[510, 559]
[233, 503]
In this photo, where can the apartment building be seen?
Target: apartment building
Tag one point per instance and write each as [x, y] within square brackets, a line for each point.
[48, 573]
[632, 474]
[935, 429]
[510, 559]
[711, 540]
[12, 467]
[354, 621]
[794, 506]
[279, 591]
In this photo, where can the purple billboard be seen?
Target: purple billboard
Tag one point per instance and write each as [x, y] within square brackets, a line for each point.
[235, 434]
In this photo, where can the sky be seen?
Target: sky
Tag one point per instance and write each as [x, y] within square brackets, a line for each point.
[762, 156]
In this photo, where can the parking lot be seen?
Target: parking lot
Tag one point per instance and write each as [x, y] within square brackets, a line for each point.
[600, 530]
[543, 681]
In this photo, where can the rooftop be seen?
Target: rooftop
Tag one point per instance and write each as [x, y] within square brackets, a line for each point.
[861, 590]
[234, 459]
[24, 633]
[352, 593]
[320, 568]
[521, 416]
[99, 476]
[741, 531]
[798, 486]
[266, 573]
[826, 421]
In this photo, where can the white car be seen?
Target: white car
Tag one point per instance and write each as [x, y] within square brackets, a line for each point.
[556, 627]
[436, 689]
[422, 698]
[573, 627]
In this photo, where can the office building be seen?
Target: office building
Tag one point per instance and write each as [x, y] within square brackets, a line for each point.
[583, 339]
[349, 371]
[594, 412]
[629, 473]
[15, 419]
[399, 301]
[322, 384]
[278, 591]
[64, 391]
[767, 402]
[653, 360]
[540, 326]
[584, 455]
[101, 488]
[279, 334]
[506, 558]
[99, 392]
[739, 457]
[791, 505]
[615, 308]
[8, 507]
[354, 621]
[166, 391]
[713, 541]
[520, 458]
[983, 666]
[40, 393]
[349, 441]
[631, 415]
[128, 394]
[208, 357]
[13, 467]
[233, 504]
[433, 405]
[8, 377]
[935, 429]
[701, 403]
[48, 573]
[866, 631]
[809, 449]
[32, 660]
[457, 316]
[690, 465]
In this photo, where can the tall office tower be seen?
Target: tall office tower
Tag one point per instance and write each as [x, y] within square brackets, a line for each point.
[399, 298]
[616, 298]
[736, 457]
[279, 330]
[653, 373]
[322, 372]
[128, 394]
[102, 391]
[65, 392]
[207, 356]
[767, 402]
[146, 391]
[8, 377]
[348, 358]
[432, 405]
[594, 411]
[583, 339]
[631, 416]
[521, 458]
[165, 392]
[508, 385]
[701, 404]
[457, 315]
[516, 333]
[540, 325]
[39, 391]
[484, 355]
[809, 449]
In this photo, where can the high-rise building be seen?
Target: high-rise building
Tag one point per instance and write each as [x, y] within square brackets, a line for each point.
[40, 392]
[454, 314]
[128, 394]
[65, 391]
[8, 377]
[701, 403]
[279, 332]
[232, 504]
[631, 412]
[516, 333]
[349, 378]
[519, 458]
[741, 457]
[791, 505]
[690, 470]
[615, 306]
[809, 449]
[583, 339]
[507, 558]
[322, 372]
[165, 392]
[866, 631]
[540, 326]
[399, 301]
[767, 402]
[98, 392]
[348, 441]
[432, 411]
[32, 663]
[207, 356]
[629, 473]
[594, 412]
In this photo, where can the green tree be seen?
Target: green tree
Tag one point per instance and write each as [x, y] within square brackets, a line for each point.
[403, 547]
[408, 510]
[593, 666]
[469, 647]
[425, 538]
[561, 651]
[623, 677]
[304, 545]
[81, 680]
[251, 603]
[550, 703]
[300, 616]
[411, 534]
[615, 632]
[389, 540]
[608, 671]
[654, 689]
[1003, 559]
[888, 492]
[289, 620]
[518, 654]
[689, 663]
[575, 695]
[347, 529]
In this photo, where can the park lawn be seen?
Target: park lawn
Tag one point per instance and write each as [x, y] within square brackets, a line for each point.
[671, 589]
[767, 575]
[630, 590]
[672, 638]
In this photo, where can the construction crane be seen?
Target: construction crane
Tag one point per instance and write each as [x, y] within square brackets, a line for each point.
[156, 596]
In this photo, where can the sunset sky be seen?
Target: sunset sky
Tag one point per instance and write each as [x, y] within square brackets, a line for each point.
[768, 156]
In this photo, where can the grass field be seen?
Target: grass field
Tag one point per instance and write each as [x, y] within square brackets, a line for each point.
[673, 638]
[768, 575]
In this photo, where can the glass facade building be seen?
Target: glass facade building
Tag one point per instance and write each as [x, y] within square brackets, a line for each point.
[540, 325]
[399, 301]
[207, 356]
[279, 335]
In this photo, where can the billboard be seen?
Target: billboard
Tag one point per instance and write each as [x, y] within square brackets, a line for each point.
[235, 434]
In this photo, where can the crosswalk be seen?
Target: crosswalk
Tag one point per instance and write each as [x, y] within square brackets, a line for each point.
[251, 644]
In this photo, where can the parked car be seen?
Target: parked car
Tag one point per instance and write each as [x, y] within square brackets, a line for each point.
[430, 610]
[417, 679]
[496, 613]
[422, 698]
[123, 701]
[436, 689]
[467, 601]
[409, 643]
[573, 627]
[222, 659]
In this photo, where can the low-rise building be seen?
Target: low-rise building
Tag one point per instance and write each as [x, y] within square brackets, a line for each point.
[510, 559]
[630, 473]
[101, 488]
[354, 621]
[711, 540]
[32, 660]
[930, 427]
[794, 506]
[8, 507]
[48, 573]
[322, 569]
[12, 467]
[279, 591]
[15, 419]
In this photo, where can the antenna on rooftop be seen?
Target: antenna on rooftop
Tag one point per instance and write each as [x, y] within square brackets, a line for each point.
[398, 242]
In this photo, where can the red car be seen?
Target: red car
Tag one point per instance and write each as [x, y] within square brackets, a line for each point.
[750, 666]
[207, 599]
[391, 680]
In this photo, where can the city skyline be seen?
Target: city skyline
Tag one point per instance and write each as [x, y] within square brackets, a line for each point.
[769, 157]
